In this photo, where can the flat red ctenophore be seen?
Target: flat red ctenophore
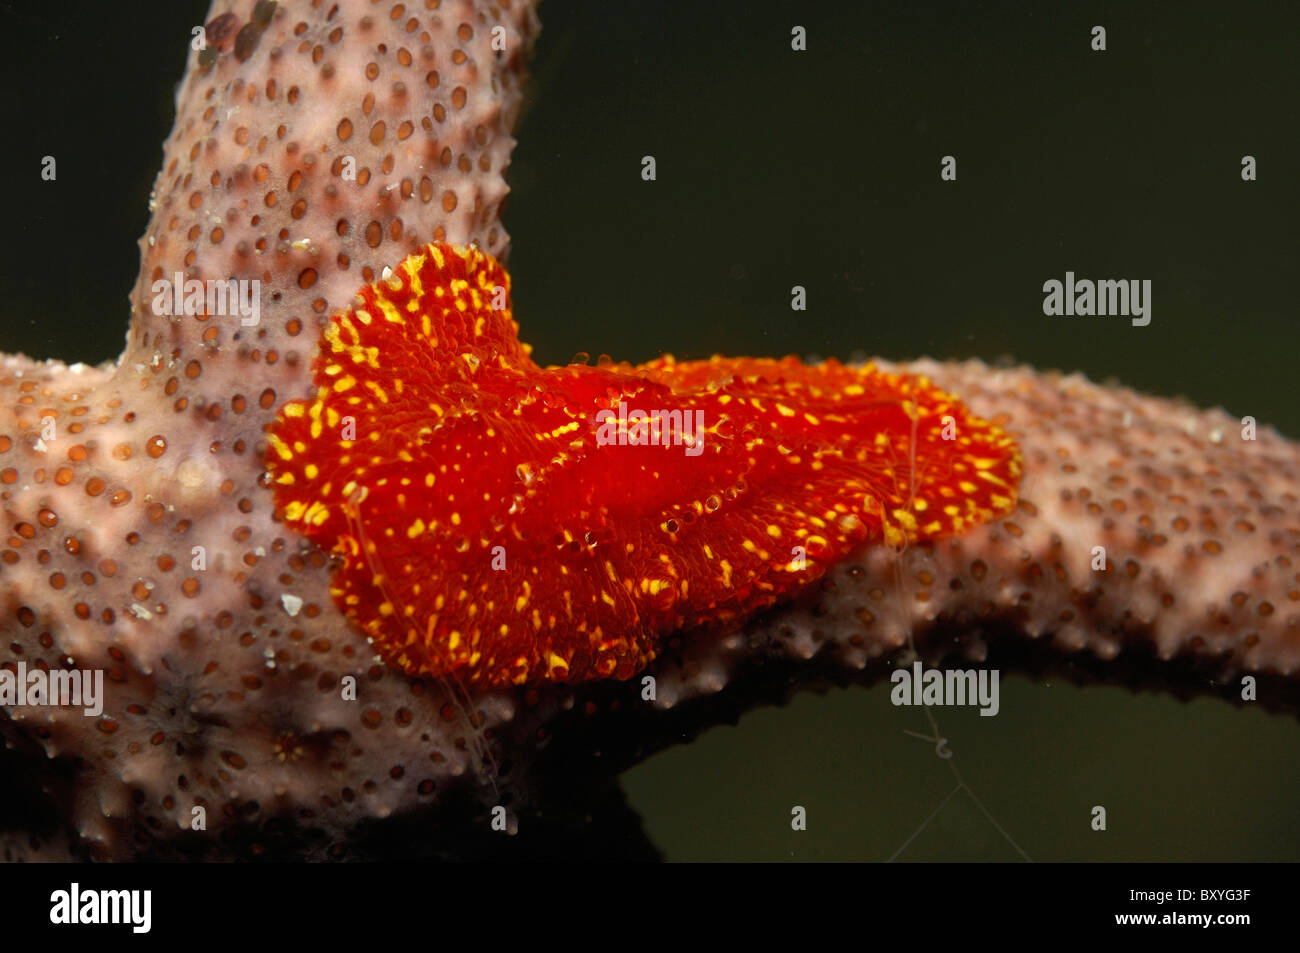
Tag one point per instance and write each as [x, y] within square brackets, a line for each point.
[511, 524]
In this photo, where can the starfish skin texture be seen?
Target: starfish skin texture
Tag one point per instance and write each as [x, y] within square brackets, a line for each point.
[224, 694]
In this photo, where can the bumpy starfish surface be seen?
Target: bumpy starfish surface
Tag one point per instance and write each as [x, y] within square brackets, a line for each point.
[315, 146]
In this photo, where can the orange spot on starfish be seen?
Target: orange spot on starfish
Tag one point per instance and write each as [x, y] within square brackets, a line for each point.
[513, 524]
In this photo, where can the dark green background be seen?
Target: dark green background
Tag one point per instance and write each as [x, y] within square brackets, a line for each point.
[821, 168]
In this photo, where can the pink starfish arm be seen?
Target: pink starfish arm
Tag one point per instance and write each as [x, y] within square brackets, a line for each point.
[1198, 529]
[225, 682]
[318, 147]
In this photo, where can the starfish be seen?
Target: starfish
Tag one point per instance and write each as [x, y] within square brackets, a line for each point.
[316, 148]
